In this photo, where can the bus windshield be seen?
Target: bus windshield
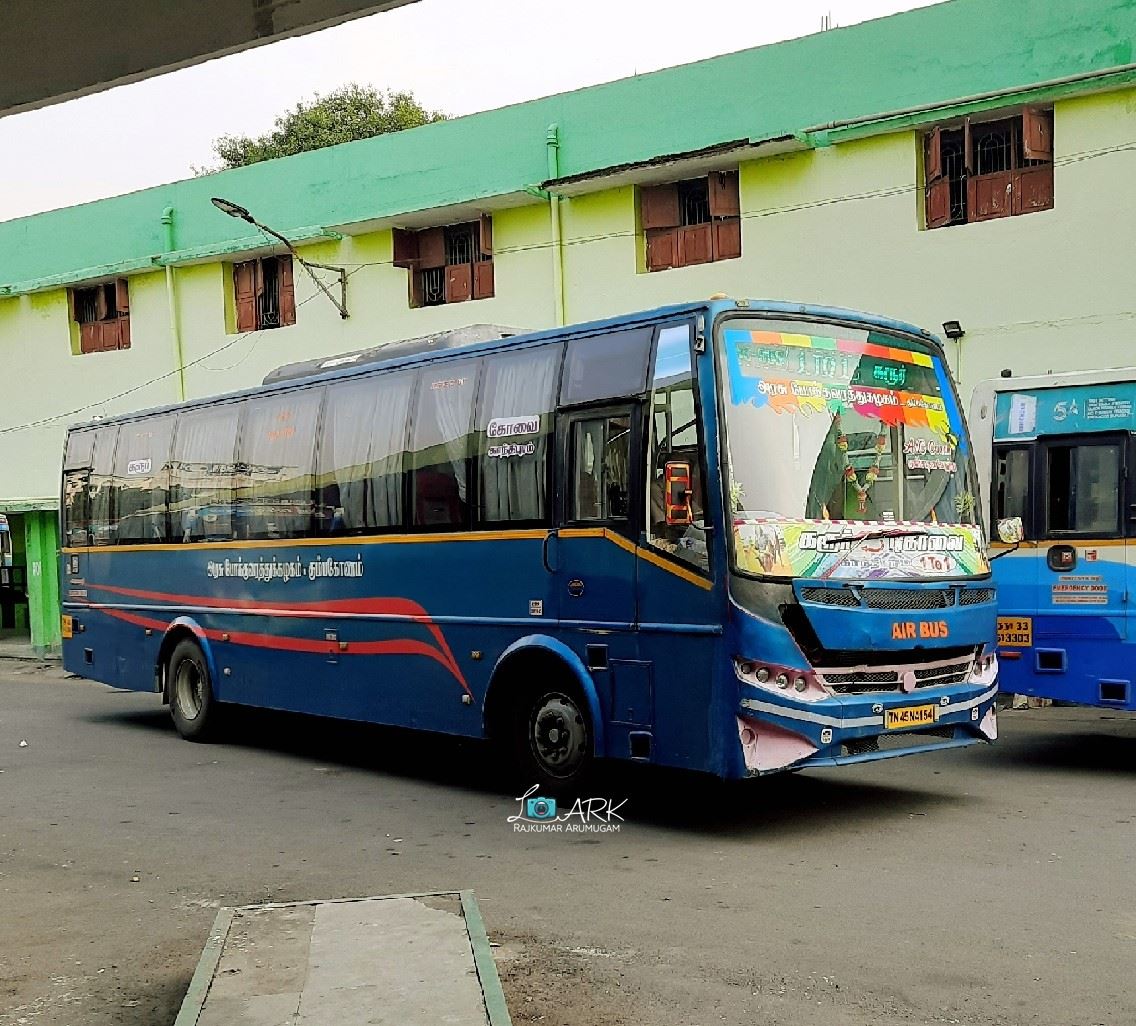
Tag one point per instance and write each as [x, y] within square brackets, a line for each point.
[829, 425]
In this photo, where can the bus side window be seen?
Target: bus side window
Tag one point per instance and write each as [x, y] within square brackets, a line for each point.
[276, 464]
[515, 422]
[201, 485]
[1082, 489]
[442, 444]
[142, 473]
[601, 468]
[102, 488]
[676, 440]
[76, 494]
[1011, 493]
[362, 454]
[610, 366]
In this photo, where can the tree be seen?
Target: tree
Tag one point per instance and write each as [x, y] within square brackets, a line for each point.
[351, 112]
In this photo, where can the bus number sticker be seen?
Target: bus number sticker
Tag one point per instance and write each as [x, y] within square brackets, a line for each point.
[1015, 631]
[138, 467]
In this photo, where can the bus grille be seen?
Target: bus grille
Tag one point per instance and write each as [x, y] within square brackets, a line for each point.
[908, 598]
[864, 680]
[895, 741]
[831, 596]
[896, 599]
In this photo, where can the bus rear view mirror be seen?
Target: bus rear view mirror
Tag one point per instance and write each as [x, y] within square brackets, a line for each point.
[1011, 531]
[676, 482]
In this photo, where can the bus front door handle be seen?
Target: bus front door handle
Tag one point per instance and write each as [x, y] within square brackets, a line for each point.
[544, 551]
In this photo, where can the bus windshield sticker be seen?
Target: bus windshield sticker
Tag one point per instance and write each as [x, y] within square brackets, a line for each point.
[895, 386]
[823, 549]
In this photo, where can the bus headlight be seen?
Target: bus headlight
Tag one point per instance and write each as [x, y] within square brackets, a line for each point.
[780, 678]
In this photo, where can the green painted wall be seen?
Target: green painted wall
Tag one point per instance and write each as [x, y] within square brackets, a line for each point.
[927, 57]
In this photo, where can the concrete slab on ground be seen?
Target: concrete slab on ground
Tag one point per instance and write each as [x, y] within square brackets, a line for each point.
[411, 960]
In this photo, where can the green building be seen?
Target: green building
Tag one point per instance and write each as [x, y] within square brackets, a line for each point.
[970, 161]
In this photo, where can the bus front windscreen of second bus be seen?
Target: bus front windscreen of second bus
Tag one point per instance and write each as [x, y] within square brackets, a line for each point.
[832, 425]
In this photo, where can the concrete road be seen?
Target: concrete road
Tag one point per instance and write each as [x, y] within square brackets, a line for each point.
[989, 886]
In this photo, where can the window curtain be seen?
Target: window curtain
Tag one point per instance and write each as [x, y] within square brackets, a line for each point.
[515, 487]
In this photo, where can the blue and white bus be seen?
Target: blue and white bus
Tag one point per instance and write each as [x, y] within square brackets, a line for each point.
[731, 536]
[1058, 452]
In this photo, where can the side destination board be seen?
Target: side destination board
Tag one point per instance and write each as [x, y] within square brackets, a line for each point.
[1071, 409]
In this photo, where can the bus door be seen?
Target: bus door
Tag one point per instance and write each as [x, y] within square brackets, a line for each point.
[1016, 572]
[1081, 509]
[592, 553]
[595, 550]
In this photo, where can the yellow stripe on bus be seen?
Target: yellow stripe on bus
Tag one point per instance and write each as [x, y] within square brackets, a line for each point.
[412, 539]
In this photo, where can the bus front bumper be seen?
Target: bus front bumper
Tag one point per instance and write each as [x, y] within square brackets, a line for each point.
[777, 733]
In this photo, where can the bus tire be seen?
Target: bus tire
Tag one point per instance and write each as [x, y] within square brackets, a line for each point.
[192, 705]
[553, 739]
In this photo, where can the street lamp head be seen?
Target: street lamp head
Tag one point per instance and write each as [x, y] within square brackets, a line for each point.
[231, 208]
[953, 330]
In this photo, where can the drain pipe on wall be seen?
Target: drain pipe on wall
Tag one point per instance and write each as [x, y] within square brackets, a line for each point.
[552, 144]
[171, 302]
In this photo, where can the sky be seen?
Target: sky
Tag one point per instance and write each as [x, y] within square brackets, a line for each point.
[458, 56]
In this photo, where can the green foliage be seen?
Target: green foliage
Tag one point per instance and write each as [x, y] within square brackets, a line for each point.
[351, 112]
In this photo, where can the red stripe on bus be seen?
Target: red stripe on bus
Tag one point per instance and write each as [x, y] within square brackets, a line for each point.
[379, 606]
[397, 646]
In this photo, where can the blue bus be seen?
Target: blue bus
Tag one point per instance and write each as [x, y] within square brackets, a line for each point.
[731, 536]
[1058, 452]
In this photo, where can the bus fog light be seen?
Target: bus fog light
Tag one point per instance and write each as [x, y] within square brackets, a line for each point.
[800, 684]
[782, 680]
[974, 714]
[762, 675]
[826, 736]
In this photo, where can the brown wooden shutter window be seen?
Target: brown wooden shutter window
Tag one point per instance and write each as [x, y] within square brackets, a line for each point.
[677, 240]
[244, 286]
[102, 313]
[287, 291]
[448, 263]
[1006, 169]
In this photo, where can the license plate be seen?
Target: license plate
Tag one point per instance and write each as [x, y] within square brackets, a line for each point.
[67, 627]
[1015, 631]
[910, 716]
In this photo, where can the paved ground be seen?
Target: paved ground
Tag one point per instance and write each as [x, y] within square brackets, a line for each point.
[988, 886]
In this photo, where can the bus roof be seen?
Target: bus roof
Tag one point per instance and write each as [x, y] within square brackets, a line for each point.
[411, 352]
[1064, 379]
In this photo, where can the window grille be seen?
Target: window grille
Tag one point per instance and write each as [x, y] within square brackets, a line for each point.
[434, 286]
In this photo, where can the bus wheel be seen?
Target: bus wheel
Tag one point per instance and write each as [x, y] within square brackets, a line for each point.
[554, 741]
[192, 706]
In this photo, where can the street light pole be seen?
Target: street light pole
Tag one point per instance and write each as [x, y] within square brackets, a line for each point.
[236, 210]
